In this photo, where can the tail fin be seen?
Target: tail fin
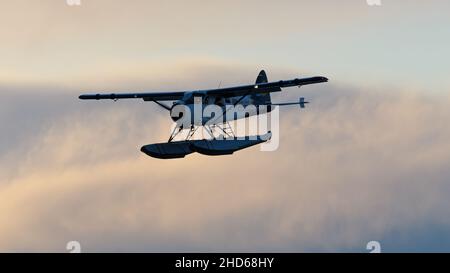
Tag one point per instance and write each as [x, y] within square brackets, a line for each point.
[261, 98]
[262, 77]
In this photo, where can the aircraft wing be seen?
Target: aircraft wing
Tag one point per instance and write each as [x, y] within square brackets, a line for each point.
[263, 87]
[221, 92]
[154, 96]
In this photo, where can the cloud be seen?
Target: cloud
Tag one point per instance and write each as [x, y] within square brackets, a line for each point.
[354, 167]
[60, 43]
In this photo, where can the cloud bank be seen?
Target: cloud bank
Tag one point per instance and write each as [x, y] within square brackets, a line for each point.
[358, 165]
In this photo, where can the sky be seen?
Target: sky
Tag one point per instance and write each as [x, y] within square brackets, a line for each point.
[367, 160]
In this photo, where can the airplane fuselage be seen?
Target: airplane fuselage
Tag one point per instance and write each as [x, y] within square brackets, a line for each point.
[210, 110]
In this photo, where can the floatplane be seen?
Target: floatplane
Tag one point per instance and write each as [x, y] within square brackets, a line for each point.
[185, 105]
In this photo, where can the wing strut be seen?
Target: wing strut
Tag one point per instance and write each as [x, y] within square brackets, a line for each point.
[165, 106]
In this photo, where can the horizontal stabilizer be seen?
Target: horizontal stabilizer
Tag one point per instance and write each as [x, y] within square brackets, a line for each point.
[301, 102]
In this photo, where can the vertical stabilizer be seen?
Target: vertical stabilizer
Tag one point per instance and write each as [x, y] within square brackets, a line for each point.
[261, 98]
